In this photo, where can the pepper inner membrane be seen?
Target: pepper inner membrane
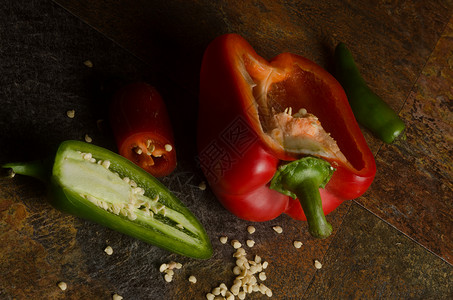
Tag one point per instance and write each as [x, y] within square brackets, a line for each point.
[297, 111]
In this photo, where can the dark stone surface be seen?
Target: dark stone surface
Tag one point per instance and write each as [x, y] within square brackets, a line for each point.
[414, 185]
[369, 259]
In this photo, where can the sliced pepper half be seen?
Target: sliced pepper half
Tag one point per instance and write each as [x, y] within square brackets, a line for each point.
[96, 184]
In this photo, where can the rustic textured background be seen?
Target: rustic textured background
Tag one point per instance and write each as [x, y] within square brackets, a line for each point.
[394, 242]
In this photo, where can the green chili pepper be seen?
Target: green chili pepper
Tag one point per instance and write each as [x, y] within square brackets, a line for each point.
[369, 109]
[96, 184]
[302, 179]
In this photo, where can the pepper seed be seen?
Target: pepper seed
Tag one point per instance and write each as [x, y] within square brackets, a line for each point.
[168, 277]
[223, 239]
[210, 296]
[117, 297]
[318, 264]
[108, 250]
[62, 285]
[251, 229]
[202, 186]
[163, 267]
[277, 229]
[236, 244]
[88, 63]
[297, 244]
[70, 113]
[250, 243]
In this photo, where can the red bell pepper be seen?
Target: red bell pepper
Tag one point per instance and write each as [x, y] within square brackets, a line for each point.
[142, 128]
[247, 131]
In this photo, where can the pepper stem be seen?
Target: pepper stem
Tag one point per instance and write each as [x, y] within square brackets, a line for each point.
[39, 169]
[302, 179]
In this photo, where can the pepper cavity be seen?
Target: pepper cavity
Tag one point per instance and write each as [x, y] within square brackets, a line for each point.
[298, 134]
[142, 128]
[106, 188]
[150, 153]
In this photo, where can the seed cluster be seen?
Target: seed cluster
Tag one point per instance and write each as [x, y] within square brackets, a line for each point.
[151, 150]
[169, 268]
[129, 210]
[246, 281]
[247, 273]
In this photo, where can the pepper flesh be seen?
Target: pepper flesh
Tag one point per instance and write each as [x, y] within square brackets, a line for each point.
[142, 128]
[99, 185]
[238, 89]
[369, 109]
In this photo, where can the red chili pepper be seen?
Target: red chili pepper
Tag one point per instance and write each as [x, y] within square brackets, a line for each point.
[247, 129]
[142, 128]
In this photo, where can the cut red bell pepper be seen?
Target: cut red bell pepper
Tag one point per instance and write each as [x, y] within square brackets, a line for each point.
[142, 128]
[256, 115]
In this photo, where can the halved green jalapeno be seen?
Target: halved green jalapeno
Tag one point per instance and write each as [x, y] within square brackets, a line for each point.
[96, 184]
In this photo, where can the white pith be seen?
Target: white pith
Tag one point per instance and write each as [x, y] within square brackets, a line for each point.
[95, 181]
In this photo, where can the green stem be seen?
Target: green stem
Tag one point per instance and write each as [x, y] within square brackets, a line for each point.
[302, 179]
[39, 169]
[308, 194]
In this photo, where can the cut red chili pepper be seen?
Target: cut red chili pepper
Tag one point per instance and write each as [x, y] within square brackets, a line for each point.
[255, 116]
[142, 128]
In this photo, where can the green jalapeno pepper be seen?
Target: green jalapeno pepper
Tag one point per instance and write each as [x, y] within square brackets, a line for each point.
[369, 109]
[96, 184]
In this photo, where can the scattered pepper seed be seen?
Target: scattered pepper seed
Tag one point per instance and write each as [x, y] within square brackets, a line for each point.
[250, 243]
[223, 239]
[277, 229]
[168, 147]
[236, 244]
[318, 264]
[62, 285]
[202, 186]
[192, 279]
[117, 297]
[11, 173]
[88, 139]
[168, 277]
[210, 296]
[70, 113]
[108, 250]
[88, 63]
[251, 229]
[297, 244]
[163, 267]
